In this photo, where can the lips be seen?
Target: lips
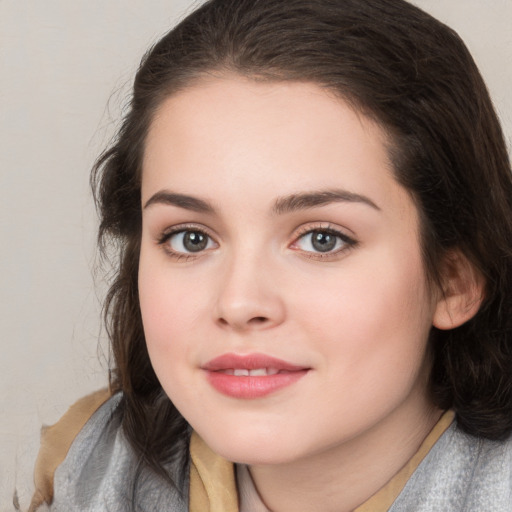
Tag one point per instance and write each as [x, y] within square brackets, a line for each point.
[251, 376]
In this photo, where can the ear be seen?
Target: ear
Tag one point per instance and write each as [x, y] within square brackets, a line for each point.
[462, 292]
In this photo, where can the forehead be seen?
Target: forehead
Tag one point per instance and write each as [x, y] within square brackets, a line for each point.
[287, 136]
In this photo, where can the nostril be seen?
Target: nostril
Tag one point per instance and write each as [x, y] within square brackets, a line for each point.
[254, 321]
[243, 323]
[258, 319]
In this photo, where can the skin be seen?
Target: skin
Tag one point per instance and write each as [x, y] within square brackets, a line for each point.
[357, 317]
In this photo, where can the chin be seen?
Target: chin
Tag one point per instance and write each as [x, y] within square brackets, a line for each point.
[252, 449]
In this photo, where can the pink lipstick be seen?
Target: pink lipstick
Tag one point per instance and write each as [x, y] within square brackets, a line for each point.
[251, 376]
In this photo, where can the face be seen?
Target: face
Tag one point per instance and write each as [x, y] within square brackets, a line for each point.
[282, 291]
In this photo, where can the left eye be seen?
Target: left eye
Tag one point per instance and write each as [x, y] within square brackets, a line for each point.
[322, 241]
[189, 241]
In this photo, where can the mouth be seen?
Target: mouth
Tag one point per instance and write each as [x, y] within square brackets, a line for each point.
[251, 376]
[258, 372]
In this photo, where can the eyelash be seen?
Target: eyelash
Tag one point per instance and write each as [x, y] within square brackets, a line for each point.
[168, 234]
[348, 243]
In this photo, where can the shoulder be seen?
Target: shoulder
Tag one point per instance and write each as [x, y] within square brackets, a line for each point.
[100, 471]
[56, 441]
[461, 473]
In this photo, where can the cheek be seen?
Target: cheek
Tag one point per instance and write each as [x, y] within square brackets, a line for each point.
[173, 309]
[376, 312]
[163, 308]
[161, 322]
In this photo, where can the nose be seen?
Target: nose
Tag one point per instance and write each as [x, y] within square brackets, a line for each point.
[248, 298]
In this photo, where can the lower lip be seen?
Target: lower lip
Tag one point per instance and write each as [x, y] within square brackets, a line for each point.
[248, 387]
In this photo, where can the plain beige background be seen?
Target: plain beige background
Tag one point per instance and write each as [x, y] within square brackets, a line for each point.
[65, 70]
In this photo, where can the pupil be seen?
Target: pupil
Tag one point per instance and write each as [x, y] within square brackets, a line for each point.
[194, 241]
[323, 242]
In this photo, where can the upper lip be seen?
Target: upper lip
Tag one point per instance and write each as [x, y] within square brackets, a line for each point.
[249, 362]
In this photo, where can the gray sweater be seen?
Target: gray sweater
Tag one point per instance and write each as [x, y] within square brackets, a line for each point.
[460, 474]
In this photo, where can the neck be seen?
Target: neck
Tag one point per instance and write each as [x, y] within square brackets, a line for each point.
[343, 477]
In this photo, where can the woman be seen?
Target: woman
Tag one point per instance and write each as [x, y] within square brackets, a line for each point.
[311, 201]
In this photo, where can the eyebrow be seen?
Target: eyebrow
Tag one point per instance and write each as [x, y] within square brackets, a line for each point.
[181, 200]
[282, 205]
[303, 201]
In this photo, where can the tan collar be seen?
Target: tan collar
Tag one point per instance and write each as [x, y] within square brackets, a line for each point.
[213, 483]
[212, 480]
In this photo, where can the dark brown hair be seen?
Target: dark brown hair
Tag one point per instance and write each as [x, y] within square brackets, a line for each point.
[411, 74]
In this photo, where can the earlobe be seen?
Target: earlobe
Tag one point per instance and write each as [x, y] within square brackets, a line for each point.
[462, 293]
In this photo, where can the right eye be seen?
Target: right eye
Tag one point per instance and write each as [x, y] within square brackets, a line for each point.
[188, 241]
